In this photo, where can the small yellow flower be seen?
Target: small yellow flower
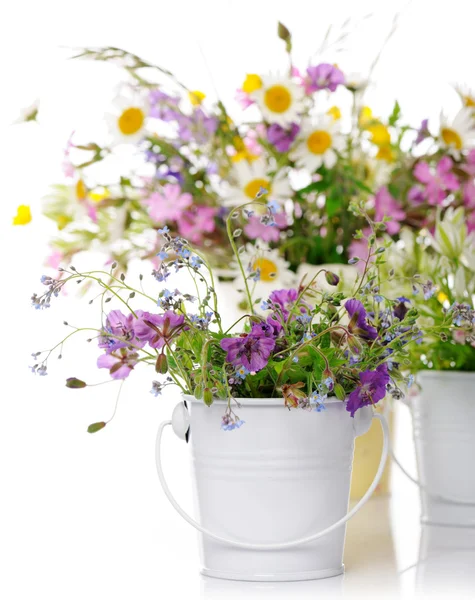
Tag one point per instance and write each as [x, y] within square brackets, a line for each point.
[385, 153]
[196, 97]
[365, 117]
[335, 113]
[23, 215]
[252, 83]
[81, 190]
[99, 195]
[441, 297]
[380, 135]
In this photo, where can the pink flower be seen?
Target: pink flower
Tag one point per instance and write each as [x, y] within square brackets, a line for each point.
[169, 205]
[243, 99]
[119, 362]
[158, 330]
[387, 206]
[436, 185]
[268, 233]
[470, 164]
[54, 259]
[194, 223]
[469, 194]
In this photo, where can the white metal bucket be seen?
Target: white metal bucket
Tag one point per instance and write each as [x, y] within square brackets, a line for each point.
[444, 436]
[264, 492]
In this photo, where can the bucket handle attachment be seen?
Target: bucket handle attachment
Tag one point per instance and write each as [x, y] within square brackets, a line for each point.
[282, 545]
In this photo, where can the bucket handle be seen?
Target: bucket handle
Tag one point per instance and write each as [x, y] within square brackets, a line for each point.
[424, 489]
[282, 545]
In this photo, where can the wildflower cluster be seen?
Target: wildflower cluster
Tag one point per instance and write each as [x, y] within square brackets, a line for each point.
[304, 345]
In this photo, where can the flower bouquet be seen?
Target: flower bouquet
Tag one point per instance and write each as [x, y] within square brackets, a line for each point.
[298, 383]
[440, 282]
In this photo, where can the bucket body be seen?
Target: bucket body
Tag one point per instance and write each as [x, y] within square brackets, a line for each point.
[282, 476]
[444, 437]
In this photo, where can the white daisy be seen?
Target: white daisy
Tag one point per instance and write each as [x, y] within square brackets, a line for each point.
[127, 120]
[250, 177]
[265, 270]
[316, 144]
[467, 95]
[458, 134]
[279, 99]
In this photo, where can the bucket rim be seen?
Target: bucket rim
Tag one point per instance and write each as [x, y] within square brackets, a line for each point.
[434, 374]
[256, 401]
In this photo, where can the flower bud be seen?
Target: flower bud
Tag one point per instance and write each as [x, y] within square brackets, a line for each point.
[339, 391]
[161, 365]
[354, 344]
[208, 397]
[332, 278]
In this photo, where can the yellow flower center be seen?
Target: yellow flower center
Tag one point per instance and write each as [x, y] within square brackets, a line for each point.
[196, 97]
[131, 120]
[252, 188]
[277, 99]
[451, 137]
[252, 83]
[379, 134]
[81, 190]
[23, 215]
[267, 269]
[319, 141]
[468, 101]
[244, 155]
[335, 113]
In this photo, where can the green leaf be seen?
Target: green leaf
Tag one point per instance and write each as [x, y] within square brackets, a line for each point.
[96, 427]
[395, 115]
[74, 383]
[316, 186]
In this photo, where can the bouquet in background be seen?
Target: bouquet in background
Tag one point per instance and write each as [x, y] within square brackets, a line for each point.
[303, 142]
[436, 272]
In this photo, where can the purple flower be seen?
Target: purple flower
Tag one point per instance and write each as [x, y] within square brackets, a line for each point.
[250, 351]
[163, 106]
[438, 184]
[372, 389]
[282, 138]
[400, 310]
[323, 76]
[158, 330]
[119, 362]
[284, 298]
[118, 326]
[422, 132]
[387, 206]
[358, 320]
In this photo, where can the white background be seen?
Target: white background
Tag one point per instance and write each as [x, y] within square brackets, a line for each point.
[81, 515]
